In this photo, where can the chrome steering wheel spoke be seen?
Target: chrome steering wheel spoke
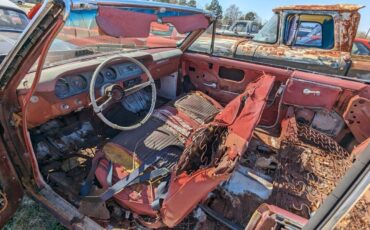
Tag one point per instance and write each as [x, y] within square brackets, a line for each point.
[136, 88]
[106, 104]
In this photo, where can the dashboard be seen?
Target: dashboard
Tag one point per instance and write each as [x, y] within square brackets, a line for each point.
[71, 85]
[64, 89]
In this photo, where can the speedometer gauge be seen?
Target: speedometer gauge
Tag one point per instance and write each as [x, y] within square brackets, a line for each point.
[61, 88]
[99, 80]
[110, 74]
[78, 82]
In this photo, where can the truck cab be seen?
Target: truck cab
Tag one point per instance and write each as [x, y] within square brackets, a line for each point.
[315, 38]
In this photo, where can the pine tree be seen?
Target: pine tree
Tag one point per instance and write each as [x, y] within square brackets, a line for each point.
[216, 8]
[192, 3]
[251, 16]
[182, 2]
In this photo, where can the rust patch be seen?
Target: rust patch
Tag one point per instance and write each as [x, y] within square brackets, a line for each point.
[336, 7]
[358, 217]
[3, 201]
[357, 117]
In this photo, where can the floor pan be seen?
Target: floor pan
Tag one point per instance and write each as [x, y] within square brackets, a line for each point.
[292, 174]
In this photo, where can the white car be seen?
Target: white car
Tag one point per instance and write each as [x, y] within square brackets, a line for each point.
[19, 2]
[13, 20]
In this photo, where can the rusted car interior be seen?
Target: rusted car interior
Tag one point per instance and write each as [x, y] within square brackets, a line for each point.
[156, 137]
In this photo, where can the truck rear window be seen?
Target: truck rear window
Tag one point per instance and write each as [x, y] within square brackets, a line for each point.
[310, 31]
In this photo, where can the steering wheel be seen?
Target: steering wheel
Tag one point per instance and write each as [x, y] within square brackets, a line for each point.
[114, 93]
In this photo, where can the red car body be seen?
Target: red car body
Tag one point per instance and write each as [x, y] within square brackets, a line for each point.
[363, 41]
[213, 115]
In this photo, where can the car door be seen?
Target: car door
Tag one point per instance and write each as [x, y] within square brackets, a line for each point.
[360, 67]
[360, 62]
[212, 69]
[11, 191]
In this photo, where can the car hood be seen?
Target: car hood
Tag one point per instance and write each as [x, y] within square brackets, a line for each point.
[9, 39]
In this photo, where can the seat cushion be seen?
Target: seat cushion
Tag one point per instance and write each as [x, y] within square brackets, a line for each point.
[198, 106]
[159, 141]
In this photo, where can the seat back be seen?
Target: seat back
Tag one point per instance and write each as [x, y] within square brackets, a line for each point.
[202, 165]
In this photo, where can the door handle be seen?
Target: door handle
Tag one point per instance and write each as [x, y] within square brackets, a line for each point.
[308, 92]
[211, 85]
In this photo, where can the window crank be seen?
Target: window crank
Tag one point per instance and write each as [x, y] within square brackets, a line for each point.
[308, 92]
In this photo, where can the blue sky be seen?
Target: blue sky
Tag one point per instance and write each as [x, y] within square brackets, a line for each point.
[264, 7]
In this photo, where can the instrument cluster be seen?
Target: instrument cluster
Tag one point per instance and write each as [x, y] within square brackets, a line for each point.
[71, 85]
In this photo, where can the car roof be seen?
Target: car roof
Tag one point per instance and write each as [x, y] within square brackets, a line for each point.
[362, 39]
[10, 5]
[336, 7]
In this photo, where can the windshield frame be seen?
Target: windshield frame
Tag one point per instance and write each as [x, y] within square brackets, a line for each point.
[84, 22]
[14, 64]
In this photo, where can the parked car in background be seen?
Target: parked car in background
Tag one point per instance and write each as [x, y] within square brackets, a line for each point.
[361, 46]
[13, 20]
[240, 28]
[19, 2]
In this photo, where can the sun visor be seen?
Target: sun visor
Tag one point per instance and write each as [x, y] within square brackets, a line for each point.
[125, 23]
[189, 23]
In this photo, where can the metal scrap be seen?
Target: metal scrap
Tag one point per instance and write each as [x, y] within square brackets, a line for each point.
[311, 166]
[358, 217]
[205, 149]
[267, 163]
[3, 201]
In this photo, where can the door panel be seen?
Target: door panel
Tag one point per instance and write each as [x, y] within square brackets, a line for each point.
[223, 78]
[11, 191]
[204, 73]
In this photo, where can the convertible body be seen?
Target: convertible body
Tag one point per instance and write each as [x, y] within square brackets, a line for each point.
[129, 135]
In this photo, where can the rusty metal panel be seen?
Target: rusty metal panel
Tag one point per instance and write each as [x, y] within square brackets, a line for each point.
[332, 61]
[337, 7]
[348, 24]
[11, 192]
[360, 67]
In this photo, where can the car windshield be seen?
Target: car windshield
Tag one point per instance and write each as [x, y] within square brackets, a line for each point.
[82, 36]
[12, 20]
[269, 32]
